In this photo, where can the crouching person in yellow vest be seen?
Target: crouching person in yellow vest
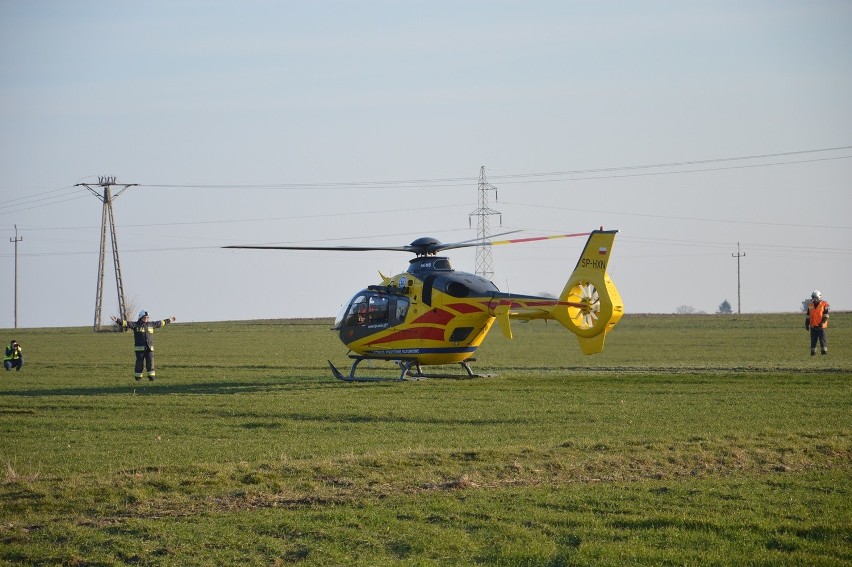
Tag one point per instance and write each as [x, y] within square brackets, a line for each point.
[14, 358]
[143, 341]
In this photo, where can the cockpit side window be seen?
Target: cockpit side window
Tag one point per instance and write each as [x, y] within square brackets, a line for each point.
[401, 310]
[378, 309]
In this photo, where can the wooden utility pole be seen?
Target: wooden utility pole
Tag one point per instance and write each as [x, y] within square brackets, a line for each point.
[16, 240]
[738, 256]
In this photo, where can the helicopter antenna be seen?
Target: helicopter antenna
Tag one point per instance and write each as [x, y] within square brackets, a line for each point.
[106, 183]
[484, 260]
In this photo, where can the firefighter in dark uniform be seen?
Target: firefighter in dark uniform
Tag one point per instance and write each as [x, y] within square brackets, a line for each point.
[816, 322]
[143, 341]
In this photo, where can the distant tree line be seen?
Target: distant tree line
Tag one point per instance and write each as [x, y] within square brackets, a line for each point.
[724, 309]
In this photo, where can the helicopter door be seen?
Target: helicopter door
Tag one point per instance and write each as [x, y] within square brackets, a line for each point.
[378, 310]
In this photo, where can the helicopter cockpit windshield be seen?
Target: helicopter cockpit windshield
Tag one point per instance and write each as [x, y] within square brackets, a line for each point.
[370, 308]
[338, 320]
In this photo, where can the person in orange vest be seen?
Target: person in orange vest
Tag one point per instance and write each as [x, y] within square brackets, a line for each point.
[817, 321]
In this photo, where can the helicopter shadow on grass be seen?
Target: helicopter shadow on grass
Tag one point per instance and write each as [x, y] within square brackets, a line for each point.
[164, 387]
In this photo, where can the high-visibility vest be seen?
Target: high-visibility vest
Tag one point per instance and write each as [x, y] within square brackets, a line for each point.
[12, 353]
[816, 314]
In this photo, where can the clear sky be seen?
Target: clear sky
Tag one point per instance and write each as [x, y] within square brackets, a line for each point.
[688, 126]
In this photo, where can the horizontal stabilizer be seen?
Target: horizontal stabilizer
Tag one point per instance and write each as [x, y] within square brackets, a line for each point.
[502, 314]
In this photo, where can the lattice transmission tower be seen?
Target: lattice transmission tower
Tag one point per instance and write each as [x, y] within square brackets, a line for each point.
[107, 218]
[484, 260]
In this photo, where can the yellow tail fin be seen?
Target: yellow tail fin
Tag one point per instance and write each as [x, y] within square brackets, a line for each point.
[590, 305]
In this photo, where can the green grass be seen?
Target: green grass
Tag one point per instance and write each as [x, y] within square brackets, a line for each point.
[689, 440]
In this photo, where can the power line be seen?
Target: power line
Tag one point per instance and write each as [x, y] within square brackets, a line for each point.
[685, 163]
[640, 240]
[38, 200]
[264, 219]
[38, 203]
[523, 177]
[631, 242]
[30, 197]
[705, 170]
[508, 179]
[441, 207]
[672, 217]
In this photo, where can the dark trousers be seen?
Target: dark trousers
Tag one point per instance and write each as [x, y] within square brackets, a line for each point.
[818, 334]
[144, 358]
[17, 364]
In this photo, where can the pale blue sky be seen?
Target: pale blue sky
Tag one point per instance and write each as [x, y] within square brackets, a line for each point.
[264, 122]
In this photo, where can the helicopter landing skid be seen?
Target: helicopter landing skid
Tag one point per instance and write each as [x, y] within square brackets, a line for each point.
[408, 368]
[413, 370]
[351, 378]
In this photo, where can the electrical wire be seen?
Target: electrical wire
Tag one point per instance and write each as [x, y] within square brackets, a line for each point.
[682, 163]
[629, 244]
[526, 177]
[35, 201]
[262, 219]
[673, 217]
[28, 203]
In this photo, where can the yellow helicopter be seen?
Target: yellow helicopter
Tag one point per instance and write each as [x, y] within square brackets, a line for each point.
[434, 315]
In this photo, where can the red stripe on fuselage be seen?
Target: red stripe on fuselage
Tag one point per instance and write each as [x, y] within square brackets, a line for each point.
[421, 333]
[435, 317]
[466, 307]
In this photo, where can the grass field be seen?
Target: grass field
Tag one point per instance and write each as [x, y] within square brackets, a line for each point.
[691, 440]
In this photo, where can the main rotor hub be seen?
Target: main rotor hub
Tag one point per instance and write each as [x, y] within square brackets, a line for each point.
[426, 246]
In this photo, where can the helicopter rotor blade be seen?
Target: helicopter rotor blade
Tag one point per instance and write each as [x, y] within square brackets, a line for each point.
[471, 242]
[421, 246]
[480, 242]
[534, 238]
[325, 248]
